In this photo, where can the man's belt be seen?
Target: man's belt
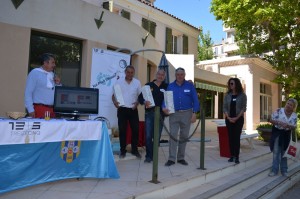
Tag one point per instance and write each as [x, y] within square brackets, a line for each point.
[38, 104]
[184, 110]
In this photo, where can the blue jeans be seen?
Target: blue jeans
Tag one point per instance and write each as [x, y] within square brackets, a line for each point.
[149, 125]
[278, 152]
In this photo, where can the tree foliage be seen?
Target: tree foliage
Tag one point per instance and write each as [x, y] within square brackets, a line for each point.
[267, 26]
[205, 44]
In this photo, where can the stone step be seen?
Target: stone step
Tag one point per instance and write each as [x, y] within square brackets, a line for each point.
[205, 182]
[249, 183]
[226, 186]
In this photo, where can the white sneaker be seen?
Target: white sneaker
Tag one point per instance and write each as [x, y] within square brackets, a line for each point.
[285, 174]
[272, 174]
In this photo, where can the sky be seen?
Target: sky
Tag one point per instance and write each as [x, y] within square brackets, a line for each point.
[196, 13]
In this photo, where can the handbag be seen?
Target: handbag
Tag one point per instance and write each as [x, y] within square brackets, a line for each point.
[293, 150]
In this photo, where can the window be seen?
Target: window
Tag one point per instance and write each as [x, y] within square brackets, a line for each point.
[125, 14]
[210, 104]
[150, 26]
[216, 51]
[265, 102]
[185, 44]
[67, 51]
[230, 37]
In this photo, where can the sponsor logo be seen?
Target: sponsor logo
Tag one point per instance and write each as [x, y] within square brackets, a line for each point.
[104, 79]
[25, 128]
[70, 150]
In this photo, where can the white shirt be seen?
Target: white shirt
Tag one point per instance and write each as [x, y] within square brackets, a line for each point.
[38, 89]
[279, 114]
[130, 91]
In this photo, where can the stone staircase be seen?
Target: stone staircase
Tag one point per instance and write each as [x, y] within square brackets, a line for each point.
[249, 179]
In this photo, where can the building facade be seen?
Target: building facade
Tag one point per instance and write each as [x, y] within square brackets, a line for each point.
[256, 75]
[72, 28]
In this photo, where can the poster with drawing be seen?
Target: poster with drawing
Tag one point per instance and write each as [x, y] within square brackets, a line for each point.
[107, 67]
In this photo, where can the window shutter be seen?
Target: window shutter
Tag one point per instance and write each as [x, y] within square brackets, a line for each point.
[145, 23]
[175, 45]
[105, 5]
[125, 14]
[108, 5]
[150, 26]
[185, 44]
[168, 40]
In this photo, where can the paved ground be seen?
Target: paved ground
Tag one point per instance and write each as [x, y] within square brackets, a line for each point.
[135, 174]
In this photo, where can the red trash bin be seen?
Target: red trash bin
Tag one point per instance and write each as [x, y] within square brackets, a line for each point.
[224, 142]
[142, 137]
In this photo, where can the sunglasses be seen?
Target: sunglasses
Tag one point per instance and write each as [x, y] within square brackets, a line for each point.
[231, 83]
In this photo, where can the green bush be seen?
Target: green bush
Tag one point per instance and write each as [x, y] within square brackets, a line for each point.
[269, 125]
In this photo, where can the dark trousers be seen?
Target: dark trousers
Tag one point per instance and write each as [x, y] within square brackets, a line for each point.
[125, 115]
[234, 136]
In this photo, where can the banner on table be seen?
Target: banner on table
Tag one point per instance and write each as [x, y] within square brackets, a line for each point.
[55, 130]
[23, 165]
[107, 67]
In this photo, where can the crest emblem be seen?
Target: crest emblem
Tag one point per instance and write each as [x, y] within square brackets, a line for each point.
[70, 150]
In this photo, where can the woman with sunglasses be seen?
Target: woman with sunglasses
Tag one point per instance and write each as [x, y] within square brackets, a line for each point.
[234, 107]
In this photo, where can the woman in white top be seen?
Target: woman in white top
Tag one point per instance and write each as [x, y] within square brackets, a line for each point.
[284, 120]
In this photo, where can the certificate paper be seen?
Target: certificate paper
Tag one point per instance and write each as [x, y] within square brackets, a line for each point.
[147, 95]
[168, 97]
[118, 95]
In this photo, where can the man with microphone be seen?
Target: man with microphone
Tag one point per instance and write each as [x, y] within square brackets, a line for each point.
[39, 90]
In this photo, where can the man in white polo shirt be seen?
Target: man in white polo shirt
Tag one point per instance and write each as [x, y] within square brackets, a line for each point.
[130, 88]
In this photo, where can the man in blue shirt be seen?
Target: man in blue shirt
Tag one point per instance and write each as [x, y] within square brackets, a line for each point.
[186, 105]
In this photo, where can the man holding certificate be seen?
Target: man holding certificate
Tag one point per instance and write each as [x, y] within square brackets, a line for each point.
[186, 105]
[125, 99]
[152, 95]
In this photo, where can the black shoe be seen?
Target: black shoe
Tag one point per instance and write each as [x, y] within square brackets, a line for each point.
[136, 154]
[163, 141]
[147, 160]
[237, 161]
[230, 159]
[122, 155]
[169, 163]
[183, 162]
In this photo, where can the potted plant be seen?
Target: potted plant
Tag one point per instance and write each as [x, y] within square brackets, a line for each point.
[264, 131]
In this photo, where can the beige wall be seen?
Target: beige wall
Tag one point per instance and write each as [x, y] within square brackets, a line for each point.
[14, 53]
[69, 18]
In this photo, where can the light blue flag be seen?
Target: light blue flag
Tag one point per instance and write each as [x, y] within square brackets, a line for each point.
[23, 165]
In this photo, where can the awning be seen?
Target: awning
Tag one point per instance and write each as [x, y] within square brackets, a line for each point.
[210, 87]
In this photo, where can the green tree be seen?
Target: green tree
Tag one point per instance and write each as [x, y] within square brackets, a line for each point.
[205, 44]
[267, 26]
